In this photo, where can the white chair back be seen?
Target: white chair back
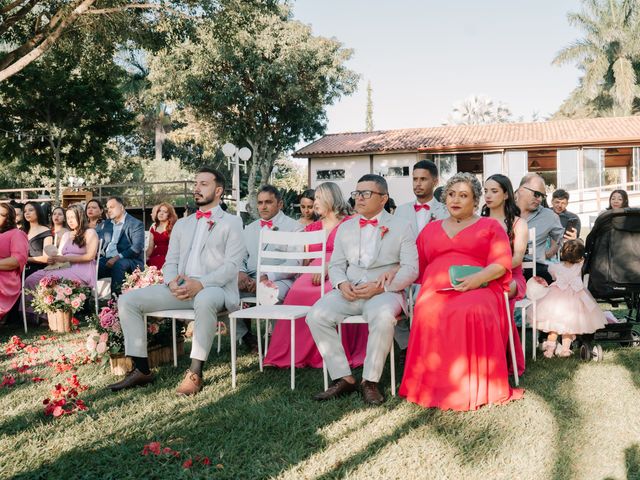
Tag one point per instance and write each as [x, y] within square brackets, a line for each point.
[531, 251]
[292, 239]
[95, 290]
[23, 301]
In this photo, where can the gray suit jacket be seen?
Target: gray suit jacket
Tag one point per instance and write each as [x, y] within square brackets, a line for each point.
[252, 239]
[221, 254]
[396, 247]
[438, 212]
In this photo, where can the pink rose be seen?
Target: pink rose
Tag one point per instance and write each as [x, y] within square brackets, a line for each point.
[101, 348]
[83, 297]
[116, 327]
[68, 291]
[49, 299]
[104, 337]
[75, 304]
[91, 344]
[67, 301]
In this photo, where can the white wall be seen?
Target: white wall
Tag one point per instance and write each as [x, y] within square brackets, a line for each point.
[354, 168]
[400, 188]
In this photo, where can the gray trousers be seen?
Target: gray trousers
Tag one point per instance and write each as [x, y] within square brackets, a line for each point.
[135, 303]
[380, 312]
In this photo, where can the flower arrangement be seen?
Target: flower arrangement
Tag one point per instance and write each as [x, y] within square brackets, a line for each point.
[54, 294]
[383, 231]
[142, 278]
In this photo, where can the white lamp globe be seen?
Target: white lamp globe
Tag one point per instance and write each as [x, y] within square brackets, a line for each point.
[229, 149]
[244, 153]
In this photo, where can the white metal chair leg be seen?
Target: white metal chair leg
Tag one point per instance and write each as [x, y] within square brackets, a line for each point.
[523, 327]
[393, 369]
[24, 311]
[259, 344]
[219, 335]
[266, 337]
[232, 325]
[175, 342]
[514, 365]
[325, 375]
[293, 354]
[534, 331]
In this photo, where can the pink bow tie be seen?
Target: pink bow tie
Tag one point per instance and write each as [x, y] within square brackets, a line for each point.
[419, 207]
[267, 223]
[200, 214]
[364, 222]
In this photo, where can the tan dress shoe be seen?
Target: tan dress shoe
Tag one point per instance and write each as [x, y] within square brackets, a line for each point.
[135, 378]
[191, 384]
[370, 393]
[338, 389]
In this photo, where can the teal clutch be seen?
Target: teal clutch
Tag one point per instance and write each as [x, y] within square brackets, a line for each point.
[460, 271]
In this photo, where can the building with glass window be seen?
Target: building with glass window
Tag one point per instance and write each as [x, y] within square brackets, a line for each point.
[587, 157]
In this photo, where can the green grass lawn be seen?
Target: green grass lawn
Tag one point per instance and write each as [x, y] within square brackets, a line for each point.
[577, 421]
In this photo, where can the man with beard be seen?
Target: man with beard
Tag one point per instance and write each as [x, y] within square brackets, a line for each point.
[201, 272]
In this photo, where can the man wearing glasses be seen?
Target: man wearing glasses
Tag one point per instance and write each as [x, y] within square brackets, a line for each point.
[529, 197]
[367, 248]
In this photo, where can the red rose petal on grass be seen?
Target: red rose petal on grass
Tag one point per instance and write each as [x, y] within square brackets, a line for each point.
[187, 463]
[206, 461]
[57, 411]
[154, 447]
[37, 379]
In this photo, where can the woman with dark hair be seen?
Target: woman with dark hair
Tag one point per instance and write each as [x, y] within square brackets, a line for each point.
[618, 199]
[34, 225]
[160, 232]
[14, 250]
[307, 213]
[500, 204]
[78, 248]
[95, 213]
[58, 225]
[456, 357]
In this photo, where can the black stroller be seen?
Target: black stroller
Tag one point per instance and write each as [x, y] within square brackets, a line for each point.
[612, 263]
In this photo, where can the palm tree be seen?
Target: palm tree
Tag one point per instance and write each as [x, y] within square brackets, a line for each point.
[479, 109]
[609, 56]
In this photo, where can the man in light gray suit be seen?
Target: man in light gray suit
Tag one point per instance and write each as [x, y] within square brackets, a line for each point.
[269, 205]
[367, 247]
[206, 250]
[424, 209]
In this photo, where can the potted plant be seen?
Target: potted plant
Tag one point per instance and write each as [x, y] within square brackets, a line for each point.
[59, 298]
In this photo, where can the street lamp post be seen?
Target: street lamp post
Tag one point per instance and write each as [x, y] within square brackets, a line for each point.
[234, 157]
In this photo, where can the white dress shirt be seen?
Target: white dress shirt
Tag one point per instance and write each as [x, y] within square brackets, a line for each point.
[368, 240]
[423, 216]
[193, 268]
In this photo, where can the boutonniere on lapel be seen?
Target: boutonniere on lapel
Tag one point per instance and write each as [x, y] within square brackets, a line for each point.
[274, 229]
[383, 231]
[432, 218]
[211, 224]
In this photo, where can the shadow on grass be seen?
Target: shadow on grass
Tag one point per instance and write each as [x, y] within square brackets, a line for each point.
[629, 358]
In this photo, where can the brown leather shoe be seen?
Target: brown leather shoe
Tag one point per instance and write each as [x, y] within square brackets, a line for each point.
[370, 393]
[191, 384]
[339, 388]
[135, 378]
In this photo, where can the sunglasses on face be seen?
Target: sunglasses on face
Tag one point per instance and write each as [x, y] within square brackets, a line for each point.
[366, 194]
[536, 193]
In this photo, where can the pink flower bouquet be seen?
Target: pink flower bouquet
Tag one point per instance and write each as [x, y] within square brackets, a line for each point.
[53, 294]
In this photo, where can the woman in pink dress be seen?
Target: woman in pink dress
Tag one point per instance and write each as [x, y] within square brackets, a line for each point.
[501, 205]
[14, 250]
[79, 247]
[333, 211]
[456, 357]
[160, 232]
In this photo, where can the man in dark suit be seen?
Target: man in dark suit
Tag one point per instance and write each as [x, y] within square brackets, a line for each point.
[122, 244]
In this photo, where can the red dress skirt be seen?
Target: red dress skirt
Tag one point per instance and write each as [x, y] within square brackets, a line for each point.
[456, 357]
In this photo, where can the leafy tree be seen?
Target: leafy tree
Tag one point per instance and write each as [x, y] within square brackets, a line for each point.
[479, 109]
[609, 57]
[66, 110]
[259, 78]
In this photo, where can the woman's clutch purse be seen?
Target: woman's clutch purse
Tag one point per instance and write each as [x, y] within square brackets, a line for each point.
[460, 271]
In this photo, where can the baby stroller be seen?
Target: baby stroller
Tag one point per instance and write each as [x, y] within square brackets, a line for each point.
[612, 274]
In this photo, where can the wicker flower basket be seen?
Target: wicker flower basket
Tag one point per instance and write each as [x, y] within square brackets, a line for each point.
[60, 321]
[158, 355]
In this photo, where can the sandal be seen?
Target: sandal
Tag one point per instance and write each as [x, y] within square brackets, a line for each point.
[565, 353]
[549, 349]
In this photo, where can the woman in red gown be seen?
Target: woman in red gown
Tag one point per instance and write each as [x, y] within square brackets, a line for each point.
[500, 204]
[14, 250]
[333, 210]
[160, 232]
[456, 357]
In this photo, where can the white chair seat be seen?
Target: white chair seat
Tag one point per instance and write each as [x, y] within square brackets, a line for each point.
[186, 314]
[103, 287]
[272, 312]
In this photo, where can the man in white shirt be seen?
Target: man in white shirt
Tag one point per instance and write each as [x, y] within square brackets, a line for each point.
[206, 250]
[367, 246]
[269, 203]
[419, 212]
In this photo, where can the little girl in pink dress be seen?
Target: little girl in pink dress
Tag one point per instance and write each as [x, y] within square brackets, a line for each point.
[567, 309]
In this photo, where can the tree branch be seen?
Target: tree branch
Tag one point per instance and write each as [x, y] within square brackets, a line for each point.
[19, 15]
[106, 11]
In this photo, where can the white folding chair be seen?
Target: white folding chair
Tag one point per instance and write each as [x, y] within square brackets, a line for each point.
[181, 314]
[103, 285]
[359, 319]
[525, 302]
[23, 302]
[514, 365]
[280, 312]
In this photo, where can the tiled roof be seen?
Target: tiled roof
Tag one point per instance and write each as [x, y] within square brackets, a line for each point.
[590, 131]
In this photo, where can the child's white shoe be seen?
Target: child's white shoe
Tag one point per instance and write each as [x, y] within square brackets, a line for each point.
[549, 348]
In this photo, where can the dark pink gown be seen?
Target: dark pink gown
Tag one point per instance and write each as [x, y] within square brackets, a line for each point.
[160, 249]
[303, 292]
[13, 243]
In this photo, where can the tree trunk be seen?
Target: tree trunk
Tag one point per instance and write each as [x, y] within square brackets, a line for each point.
[159, 141]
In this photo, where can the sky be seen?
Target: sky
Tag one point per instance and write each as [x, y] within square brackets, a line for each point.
[422, 56]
